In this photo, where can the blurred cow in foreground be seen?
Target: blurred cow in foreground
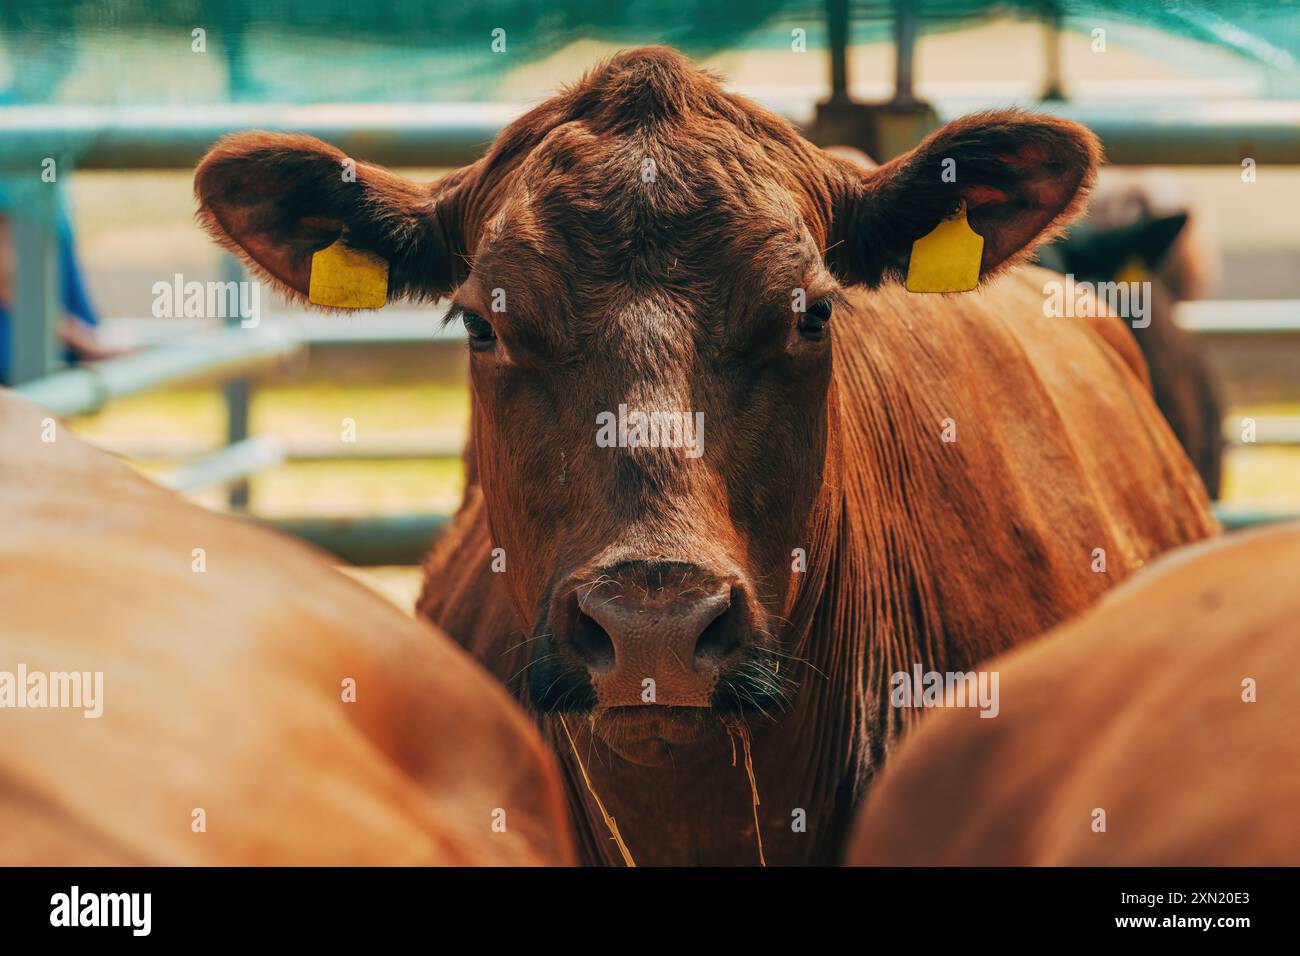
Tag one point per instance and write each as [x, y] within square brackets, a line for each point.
[1159, 729]
[179, 688]
[854, 479]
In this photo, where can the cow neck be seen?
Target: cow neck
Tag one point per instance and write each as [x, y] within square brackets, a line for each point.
[881, 601]
[815, 758]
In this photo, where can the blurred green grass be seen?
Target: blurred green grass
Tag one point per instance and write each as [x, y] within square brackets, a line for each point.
[1267, 477]
[418, 416]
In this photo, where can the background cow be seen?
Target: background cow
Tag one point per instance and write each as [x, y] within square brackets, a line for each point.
[915, 479]
[223, 691]
[1124, 239]
[1173, 707]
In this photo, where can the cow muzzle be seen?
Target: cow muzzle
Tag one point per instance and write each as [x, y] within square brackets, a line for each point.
[644, 634]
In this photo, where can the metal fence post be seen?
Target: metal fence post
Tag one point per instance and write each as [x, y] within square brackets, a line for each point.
[906, 26]
[238, 393]
[33, 327]
[837, 34]
[1053, 24]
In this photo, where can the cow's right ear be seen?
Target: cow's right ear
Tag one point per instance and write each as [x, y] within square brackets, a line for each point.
[275, 200]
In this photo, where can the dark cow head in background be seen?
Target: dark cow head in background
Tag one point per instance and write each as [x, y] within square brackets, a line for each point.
[649, 240]
[1157, 250]
[1102, 255]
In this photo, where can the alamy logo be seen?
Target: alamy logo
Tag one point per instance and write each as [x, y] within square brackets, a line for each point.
[75, 690]
[637, 429]
[134, 910]
[179, 299]
[1128, 300]
[947, 689]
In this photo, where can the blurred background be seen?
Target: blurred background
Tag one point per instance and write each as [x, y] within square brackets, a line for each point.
[348, 430]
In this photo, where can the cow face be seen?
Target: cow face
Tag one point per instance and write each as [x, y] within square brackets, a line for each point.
[649, 272]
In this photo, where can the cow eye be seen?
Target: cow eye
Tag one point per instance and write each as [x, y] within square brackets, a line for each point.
[481, 333]
[813, 323]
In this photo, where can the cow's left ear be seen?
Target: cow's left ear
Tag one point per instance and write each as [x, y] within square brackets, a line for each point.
[1021, 177]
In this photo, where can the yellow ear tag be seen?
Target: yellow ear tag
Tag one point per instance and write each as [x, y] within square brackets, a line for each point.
[1133, 271]
[345, 278]
[947, 259]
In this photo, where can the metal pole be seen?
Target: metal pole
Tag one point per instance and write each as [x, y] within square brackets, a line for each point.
[33, 327]
[238, 394]
[837, 31]
[906, 23]
[238, 391]
[1148, 132]
[1053, 88]
[88, 388]
[232, 463]
[389, 539]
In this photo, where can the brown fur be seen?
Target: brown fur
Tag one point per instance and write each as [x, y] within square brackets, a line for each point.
[222, 690]
[920, 552]
[1136, 708]
[676, 293]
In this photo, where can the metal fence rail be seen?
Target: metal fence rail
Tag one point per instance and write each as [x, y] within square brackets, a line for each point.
[1269, 330]
[405, 539]
[88, 388]
[384, 540]
[453, 134]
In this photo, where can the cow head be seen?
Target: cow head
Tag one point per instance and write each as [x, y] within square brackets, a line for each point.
[648, 269]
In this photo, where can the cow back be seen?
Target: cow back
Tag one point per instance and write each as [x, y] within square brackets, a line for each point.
[1159, 729]
[310, 721]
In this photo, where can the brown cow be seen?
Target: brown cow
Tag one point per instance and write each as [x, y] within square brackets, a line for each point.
[1170, 713]
[709, 623]
[224, 652]
[1150, 250]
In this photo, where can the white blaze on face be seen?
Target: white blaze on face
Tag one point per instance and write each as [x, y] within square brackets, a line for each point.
[655, 411]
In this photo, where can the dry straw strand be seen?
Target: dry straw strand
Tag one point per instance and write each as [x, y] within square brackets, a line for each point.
[743, 731]
[609, 821]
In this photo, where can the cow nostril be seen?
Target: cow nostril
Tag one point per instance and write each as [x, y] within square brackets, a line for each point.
[720, 639]
[592, 644]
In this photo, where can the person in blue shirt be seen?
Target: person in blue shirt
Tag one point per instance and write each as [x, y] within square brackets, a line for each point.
[78, 324]
[42, 63]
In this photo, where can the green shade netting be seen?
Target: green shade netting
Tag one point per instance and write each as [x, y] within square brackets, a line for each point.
[127, 51]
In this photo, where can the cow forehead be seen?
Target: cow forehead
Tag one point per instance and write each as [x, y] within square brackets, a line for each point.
[645, 223]
[647, 192]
